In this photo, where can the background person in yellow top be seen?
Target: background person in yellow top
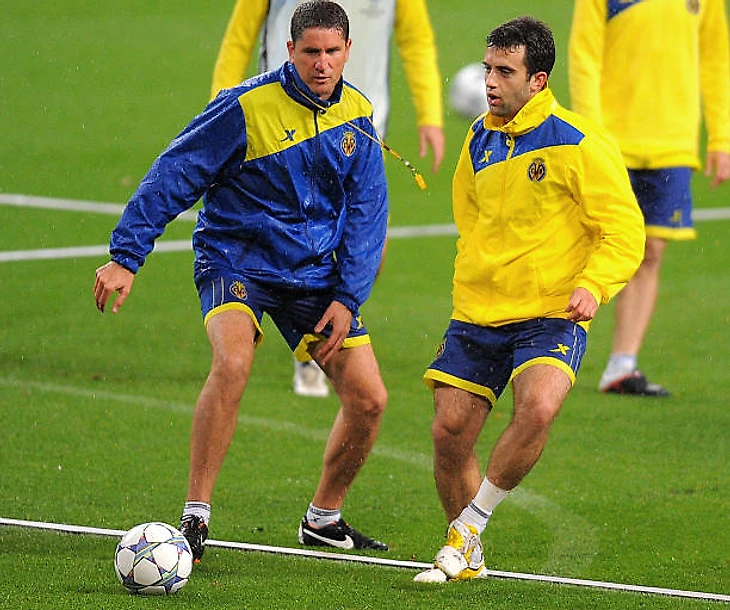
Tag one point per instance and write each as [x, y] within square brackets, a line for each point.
[372, 23]
[644, 69]
[548, 229]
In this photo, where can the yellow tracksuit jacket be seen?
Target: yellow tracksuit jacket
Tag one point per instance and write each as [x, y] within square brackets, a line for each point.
[542, 205]
[645, 68]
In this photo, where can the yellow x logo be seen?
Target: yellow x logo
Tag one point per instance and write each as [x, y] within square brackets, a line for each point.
[563, 349]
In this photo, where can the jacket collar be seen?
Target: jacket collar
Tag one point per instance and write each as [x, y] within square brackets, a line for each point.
[300, 93]
[532, 114]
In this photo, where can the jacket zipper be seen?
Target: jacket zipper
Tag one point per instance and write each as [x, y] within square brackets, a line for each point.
[312, 178]
[510, 141]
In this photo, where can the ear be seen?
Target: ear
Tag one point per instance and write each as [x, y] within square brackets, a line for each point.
[348, 46]
[538, 82]
[290, 48]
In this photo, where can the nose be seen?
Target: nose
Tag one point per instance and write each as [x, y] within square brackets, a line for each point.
[321, 62]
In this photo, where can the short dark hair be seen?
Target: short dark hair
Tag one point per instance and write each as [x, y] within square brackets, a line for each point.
[532, 34]
[319, 14]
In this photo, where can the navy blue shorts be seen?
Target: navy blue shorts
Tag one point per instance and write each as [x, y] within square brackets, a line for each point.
[294, 312]
[665, 199]
[483, 359]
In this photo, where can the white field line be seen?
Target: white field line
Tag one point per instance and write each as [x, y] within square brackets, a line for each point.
[381, 561]
[73, 205]
[9, 256]
[116, 209]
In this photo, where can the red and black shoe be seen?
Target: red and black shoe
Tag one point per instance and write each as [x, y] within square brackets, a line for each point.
[635, 384]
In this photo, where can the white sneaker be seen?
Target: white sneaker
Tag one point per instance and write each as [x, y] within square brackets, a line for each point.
[433, 575]
[461, 558]
[310, 380]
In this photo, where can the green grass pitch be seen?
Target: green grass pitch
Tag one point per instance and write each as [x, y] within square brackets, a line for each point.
[96, 410]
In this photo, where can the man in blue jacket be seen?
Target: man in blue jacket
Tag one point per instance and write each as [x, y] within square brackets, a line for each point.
[293, 225]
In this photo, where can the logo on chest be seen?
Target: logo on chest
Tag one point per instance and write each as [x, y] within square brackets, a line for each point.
[348, 144]
[537, 170]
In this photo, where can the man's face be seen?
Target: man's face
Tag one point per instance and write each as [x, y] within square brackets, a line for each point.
[319, 57]
[508, 86]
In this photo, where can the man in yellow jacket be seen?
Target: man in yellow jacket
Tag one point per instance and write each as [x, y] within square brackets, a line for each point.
[372, 26]
[549, 229]
[644, 69]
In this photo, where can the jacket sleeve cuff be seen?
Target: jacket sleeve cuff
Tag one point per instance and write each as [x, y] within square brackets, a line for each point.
[595, 291]
[347, 301]
[129, 263]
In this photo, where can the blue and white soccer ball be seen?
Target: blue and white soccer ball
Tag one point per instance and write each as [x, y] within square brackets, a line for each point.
[468, 91]
[153, 559]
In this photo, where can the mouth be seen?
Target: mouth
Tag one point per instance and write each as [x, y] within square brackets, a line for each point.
[492, 99]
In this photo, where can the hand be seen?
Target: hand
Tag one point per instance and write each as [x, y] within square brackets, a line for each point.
[112, 278]
[430, 135]
[339, 318]
[582, 306]
[717, 167]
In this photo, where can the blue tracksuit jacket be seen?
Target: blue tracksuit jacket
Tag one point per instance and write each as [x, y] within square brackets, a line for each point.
[294, 194]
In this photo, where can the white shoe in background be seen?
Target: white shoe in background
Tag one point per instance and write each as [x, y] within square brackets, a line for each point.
[310, 380]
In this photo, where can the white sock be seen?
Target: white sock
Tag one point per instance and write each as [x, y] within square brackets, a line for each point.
[479, 510]
[197, 509]
[319, 517]
[474, 516]
[621, 364]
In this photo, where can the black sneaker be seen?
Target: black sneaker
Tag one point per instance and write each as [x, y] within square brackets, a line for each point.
[637, 385]
[339, 535]
[196, 533]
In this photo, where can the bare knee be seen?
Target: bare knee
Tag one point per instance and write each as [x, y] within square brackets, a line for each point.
[356, 379]
[653, 253]
[362, 404]
[458, 420]
[228, 377]
[537, 415]
[231, 365]
[231, 336]
[448, 431]
[372, 404]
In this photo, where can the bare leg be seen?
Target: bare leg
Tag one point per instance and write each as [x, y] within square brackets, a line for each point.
[356, 379]
[231, 335]
[458, 421]
[635, 303]
[539, 392]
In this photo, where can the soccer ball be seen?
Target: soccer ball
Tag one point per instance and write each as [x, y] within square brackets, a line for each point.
[153, 559]
[468, 92]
